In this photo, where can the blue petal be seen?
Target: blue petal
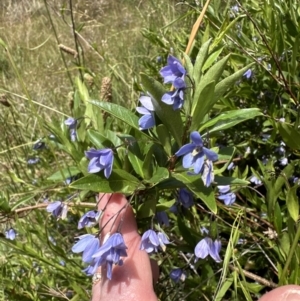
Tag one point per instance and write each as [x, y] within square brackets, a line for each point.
[147, 102]
[167, 98]
[187, 148]
[82, 243]
[93, 166]
[188, 160]
[223, 188]
[107, 171]
[202, 249]
[146, 122]
[90, 250]
[214, 250]
[199, 164]
[196, 138]
[211, 155]
[53, 206]
[179, 83]
[91, 153]
[143, 111]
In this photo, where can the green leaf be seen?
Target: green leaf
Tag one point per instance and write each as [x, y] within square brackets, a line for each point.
[160, 174]
[224, 29]
[119, 181]
[230, 181]
[213, 74]
[164, 138]
[212, 58]
[4, 205]
[292, 203]
[202, 105]
[147, 208]
[98, 140]
[148, 162]
[120, 113]
[188, 64]
[195, 184]
[24, 200]
[65, 143]
[89, 110]
[63, 174]
[82, 90]
[229, 119]
[135, 160]
[200, 59]
[290, 135]
[225, 154]
[226, 83]
[170, 118]
[165, 205]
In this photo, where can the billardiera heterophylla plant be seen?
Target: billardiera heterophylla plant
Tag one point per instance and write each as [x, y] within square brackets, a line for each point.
[162, 218]
[111, 252]
[177, 275]
[207, 246]
[152, 241]
[87, 244]
[147, 164]
[72, 125]
[10, 234]
[194, 155]
[226, 195]
[174, 73]
[148, 120]
[185, 198]
[101, 159]
[89, 219]
[56, 208]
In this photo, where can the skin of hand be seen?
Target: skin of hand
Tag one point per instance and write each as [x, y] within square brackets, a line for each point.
[133, 280]
[283, 293]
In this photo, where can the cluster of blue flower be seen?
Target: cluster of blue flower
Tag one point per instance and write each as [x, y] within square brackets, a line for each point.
[195, 156]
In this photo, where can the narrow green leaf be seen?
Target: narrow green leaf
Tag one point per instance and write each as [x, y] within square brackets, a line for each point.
[213, 74]
[202, 105]
[165, 205]
[229, 119]
[230, 181]
[98, 140]
[200, 59]
[119, 181]
[120, 113]
[195, 184]
[148, 162]
[224, 29]
[63, 174]
[160, 174]
[224, 288]
[211, 59]
[170, 118]
[188, 64]
[164, 138]
[226, 83]
[135, 160]
[147, 209]
[24, 200]
[292, 203]
[290, 135]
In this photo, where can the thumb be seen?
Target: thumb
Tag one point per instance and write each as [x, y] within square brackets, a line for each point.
[132, 280]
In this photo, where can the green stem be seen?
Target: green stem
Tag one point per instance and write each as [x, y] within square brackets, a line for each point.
[290, 256]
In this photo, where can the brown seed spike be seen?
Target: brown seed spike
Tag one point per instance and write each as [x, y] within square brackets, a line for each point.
[68, 50]
[106, 89]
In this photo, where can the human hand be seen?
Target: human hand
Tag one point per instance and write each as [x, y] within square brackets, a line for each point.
[134, 279]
